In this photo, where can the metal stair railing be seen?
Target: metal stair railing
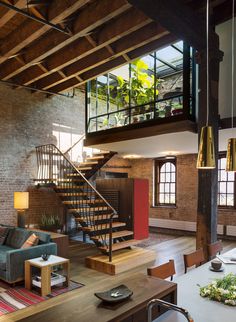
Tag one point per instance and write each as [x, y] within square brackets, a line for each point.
[168, 306]
[54, 167]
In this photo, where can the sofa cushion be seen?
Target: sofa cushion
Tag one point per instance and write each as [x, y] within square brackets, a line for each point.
[3, 234]
[44, 237]
[3, 256]
[32, 240]
[16, 237]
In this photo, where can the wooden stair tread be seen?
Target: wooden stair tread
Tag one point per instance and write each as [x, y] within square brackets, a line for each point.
[96, 217]
[120, 245]
[82, 168]
[116, 234]
[69, 187]
[89, 209]
[98, 157]
[115, 224]
[73, 175]
[87, 163]
[83, 202]
[72, 194]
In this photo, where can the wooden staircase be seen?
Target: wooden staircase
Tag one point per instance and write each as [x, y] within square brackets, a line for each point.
[93, 214]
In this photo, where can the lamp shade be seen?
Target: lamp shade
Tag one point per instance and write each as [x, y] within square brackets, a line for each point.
[206, 153]
[21, 200]
[231, 155]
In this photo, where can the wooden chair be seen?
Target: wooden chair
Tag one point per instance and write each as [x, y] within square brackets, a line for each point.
[214, 248]
[194, 258]
[163, 271]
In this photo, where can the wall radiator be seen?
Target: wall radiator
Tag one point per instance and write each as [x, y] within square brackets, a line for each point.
[187, 226]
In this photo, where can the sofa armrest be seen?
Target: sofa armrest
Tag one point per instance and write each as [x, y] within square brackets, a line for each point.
[15, 259]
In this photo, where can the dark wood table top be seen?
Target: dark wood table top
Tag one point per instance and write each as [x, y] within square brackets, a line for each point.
[81, 305]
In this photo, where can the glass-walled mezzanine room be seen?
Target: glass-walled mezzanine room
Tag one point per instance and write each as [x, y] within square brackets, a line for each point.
[158, 86]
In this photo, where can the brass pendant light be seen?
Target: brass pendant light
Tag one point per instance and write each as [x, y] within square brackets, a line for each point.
[206, 152]
[231, 149]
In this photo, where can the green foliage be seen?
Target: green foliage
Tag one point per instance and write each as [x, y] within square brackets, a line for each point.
[221, 290]
[50, 220]
[141, 86]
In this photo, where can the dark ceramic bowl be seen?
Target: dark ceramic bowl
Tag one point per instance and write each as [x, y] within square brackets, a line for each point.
[122, 290]
[45, 257]
[216, 264]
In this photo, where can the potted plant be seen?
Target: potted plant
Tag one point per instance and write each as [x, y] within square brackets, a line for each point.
[51, 223]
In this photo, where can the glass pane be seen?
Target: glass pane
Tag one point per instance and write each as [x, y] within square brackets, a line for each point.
[230, 176]
[230, 200]
[223, 163]
[172, 198]
[223, 199]
[223, 175]
[167, 187]
[172, 167]
[222, 187]
[163, 168]
[161, 198]
[161, 187]
[142, 82]
[167, 177]
[230, 187]
[168, 164]
[162, 178]
[119, 91]
[172, 177]
[172, 187]
[167, 198]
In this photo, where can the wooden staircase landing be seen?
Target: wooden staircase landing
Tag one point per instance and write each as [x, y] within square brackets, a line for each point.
[122, 260]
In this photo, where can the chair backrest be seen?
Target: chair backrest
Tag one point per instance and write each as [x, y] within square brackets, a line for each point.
[194, 258]
[214, 248]
[163, 271]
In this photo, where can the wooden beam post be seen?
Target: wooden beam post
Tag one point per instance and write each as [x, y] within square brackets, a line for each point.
[208, 179]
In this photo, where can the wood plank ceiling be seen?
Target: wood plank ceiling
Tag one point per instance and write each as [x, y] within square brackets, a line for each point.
[99, 36]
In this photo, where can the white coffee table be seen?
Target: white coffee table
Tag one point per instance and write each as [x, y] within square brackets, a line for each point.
[46, 269]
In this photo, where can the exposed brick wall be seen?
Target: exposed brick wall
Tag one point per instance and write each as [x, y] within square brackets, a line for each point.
[187, 183]
[28, 120]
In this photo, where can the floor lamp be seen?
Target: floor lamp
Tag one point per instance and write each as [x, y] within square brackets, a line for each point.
[21, 203]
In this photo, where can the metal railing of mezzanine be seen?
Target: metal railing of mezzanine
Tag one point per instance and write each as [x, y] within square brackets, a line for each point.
[81, 198]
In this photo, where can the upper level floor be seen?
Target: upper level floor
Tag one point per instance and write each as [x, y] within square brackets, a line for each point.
[156, 89]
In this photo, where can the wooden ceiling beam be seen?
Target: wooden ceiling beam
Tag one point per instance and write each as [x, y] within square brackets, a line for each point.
[122, 26]
[180, 20]
[30, 30]
[223, 12]
[6, 15]
[116, 62]
[91, 17]
[125, 44]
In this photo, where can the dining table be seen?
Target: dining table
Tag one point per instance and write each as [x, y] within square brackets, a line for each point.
[200, 308]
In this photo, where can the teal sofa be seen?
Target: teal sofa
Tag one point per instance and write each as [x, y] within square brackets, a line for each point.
[12, 257]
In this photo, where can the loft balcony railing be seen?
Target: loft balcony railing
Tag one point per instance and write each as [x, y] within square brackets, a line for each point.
[162, 109]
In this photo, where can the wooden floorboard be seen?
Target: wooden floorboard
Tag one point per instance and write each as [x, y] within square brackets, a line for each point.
[78, 251]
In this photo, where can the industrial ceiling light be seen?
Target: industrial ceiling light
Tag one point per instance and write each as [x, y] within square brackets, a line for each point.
[206, 152]
[231, 149]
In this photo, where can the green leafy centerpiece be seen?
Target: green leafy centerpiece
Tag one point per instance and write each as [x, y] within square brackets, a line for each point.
[221, 290]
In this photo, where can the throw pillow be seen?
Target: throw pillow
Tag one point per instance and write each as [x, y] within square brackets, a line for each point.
[31, 241]
[3, 234]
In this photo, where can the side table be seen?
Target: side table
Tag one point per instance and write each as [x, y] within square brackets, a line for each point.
[46, 269]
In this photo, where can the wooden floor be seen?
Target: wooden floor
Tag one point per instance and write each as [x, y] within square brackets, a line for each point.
[171, 249]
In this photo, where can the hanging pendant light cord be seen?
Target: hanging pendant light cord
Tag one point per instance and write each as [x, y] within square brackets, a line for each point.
[233, 49]
[207, 49]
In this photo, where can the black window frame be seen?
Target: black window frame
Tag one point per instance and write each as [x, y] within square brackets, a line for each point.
[158, 163]
[222, 155]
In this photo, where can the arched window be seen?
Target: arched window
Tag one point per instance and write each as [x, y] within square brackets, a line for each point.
[165, 182]
[226, 184]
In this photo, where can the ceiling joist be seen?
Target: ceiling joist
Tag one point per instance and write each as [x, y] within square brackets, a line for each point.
[105, 34]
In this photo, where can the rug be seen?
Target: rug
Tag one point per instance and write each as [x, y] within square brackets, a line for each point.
[16, 298]
[154, 239]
